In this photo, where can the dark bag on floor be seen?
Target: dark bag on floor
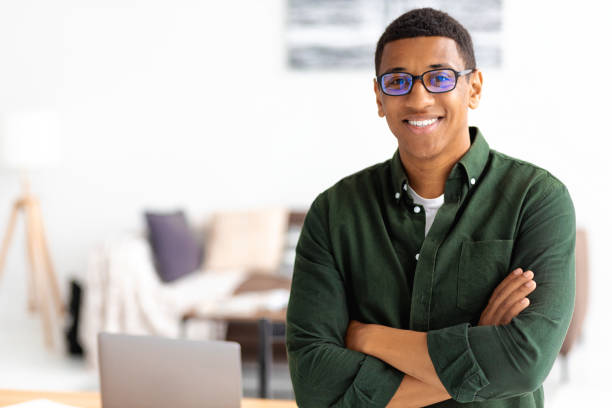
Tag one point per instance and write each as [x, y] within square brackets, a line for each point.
[72, 331]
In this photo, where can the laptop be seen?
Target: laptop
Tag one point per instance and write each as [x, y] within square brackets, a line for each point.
[156, 372]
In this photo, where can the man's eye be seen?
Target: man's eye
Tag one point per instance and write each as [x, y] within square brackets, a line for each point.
[441, 79]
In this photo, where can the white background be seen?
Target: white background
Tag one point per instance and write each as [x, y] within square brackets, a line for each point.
[184, 103]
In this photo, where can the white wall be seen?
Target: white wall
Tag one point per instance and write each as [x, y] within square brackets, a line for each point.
[146, 122]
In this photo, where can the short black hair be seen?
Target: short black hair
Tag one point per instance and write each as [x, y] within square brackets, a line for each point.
[427, 22]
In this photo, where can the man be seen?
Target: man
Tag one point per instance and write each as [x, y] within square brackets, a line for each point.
[414, 279]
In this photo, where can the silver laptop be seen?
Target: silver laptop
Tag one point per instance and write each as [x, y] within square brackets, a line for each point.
[155, 372]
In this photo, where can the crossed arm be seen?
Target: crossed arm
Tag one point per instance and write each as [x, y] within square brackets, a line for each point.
[407, 351]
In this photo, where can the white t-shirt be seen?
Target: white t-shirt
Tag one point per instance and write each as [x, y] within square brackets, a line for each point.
[431, 205]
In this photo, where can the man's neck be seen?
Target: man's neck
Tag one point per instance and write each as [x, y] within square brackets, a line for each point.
[428, 176]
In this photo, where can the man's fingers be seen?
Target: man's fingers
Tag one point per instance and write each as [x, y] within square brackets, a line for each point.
[515, 282]
[509, 298]
[507, 280]
[515, 310]
[509, 292]
[517, 295]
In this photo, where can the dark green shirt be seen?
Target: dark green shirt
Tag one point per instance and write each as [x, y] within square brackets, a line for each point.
[357, 259]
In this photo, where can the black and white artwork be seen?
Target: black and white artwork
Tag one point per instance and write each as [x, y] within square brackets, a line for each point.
[342, 34]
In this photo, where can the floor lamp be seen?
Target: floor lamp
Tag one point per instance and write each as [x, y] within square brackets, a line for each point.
[28, 140]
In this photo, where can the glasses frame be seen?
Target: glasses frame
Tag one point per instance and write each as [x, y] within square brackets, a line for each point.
[415, 78]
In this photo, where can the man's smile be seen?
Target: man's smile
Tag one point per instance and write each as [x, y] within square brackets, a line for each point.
[422, 125]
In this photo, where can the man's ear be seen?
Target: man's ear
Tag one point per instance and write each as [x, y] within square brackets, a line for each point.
[381, 112]
[475, 89]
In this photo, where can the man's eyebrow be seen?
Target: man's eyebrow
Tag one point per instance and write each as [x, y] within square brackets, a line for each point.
[432, 66]
[443, 65]
[396, 69]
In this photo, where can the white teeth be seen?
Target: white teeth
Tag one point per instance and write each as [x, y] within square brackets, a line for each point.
[422, 123]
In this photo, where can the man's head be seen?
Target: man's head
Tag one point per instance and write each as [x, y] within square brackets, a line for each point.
[426, 81]
[427, 22]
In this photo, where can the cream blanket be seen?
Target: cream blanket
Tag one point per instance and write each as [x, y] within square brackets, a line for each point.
[124, 294]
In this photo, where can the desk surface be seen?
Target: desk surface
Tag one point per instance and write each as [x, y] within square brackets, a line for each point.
[92, 399]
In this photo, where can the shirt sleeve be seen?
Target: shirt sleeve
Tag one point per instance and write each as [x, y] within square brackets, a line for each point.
[494, 362]
[325, 373]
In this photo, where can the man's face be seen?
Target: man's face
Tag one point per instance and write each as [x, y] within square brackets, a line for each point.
[448, 135]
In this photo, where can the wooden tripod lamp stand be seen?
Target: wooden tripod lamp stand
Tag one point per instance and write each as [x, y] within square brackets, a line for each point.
[27, 139]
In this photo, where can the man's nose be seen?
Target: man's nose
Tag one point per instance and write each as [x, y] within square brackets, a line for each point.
[419, 97]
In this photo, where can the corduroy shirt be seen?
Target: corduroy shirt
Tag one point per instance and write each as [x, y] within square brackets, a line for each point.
[363, 255]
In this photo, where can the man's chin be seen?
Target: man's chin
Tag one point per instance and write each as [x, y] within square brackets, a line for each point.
[420, 151]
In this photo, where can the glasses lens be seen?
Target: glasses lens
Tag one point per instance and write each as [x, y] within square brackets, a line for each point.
[442, 80]
[396, 83]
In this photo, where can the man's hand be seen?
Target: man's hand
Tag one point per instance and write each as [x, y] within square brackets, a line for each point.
[508, 299]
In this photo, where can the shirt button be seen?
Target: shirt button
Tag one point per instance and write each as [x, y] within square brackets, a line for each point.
[405, 187]
[417, 209]
[397, 195]
[416, 257]
[472, 181]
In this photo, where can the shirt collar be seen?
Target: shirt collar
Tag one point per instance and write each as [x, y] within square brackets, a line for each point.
[398, 174]
[473, 162]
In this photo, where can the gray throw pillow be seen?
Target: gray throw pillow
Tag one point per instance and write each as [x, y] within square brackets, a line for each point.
[175, 249]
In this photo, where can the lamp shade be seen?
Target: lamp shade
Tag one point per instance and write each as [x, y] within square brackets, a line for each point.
[29, 140]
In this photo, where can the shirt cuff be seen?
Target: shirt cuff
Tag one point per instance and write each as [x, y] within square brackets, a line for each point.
[376, 383]
[455, 364]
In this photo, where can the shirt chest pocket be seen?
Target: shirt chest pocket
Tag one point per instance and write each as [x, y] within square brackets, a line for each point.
[482, 266]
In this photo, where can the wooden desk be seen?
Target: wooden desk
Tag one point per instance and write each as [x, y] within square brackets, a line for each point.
[92, 399]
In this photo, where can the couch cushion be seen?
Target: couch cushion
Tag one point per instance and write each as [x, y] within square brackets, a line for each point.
[176, 251]
[250, 240]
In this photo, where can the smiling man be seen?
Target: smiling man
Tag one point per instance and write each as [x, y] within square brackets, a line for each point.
[415, 279]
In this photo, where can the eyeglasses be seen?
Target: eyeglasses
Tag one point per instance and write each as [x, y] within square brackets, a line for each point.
[435, 81]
